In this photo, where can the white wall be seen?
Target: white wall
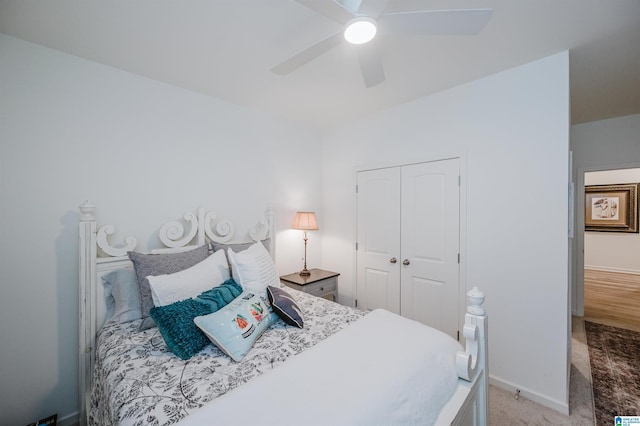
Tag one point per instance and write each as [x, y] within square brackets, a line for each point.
[612, 251]
[75, 130]
[142, 152]
[512, 129]
[599, 145]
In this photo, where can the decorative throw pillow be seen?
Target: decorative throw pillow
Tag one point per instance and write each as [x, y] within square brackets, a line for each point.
[175, 321]
[122, 296]
[236, 327]
[285, 306]
[157, 264]
[190, 282]
[253, 269]
[238, 247]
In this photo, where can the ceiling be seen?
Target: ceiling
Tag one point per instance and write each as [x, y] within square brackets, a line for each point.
[226, 48]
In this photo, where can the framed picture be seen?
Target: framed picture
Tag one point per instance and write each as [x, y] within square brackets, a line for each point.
[611, 208]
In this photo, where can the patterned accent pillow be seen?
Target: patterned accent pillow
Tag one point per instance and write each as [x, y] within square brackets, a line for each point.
[175, 321]
[285, 306]
[236, 327]
[238, 247]
[253, 269]
[157, 264]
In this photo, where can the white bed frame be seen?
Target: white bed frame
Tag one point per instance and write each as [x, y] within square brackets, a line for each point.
[97, 256]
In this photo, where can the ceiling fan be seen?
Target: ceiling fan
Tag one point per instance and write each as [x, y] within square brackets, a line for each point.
[363, 20]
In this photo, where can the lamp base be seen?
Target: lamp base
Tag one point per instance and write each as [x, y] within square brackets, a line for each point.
[305, 272]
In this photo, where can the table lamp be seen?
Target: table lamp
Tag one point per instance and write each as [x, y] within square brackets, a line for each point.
[305, 221]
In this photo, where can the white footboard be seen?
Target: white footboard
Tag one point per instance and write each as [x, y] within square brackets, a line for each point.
[469, 405]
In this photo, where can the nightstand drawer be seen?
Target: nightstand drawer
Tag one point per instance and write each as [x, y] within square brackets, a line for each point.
[318, 283]
[322, 287]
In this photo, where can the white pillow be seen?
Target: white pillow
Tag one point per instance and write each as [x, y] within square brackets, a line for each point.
[254, 269]
[169, 288]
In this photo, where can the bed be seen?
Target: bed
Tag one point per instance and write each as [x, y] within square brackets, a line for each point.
[343, 366]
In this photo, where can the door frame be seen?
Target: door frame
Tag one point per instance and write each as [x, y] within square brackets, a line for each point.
[577, 257]
[462, 157]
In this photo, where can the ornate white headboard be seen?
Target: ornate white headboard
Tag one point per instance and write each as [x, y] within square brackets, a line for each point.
[97, 256]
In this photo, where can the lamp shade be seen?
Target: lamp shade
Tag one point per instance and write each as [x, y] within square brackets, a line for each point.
[305, 221]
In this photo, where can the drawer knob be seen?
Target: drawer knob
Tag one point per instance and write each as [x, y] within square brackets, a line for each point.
[406, 262]
[393, 260]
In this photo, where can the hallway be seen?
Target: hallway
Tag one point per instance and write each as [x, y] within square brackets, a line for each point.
[612, 298]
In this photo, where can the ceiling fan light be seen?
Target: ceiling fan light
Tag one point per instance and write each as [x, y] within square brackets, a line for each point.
[360, 30]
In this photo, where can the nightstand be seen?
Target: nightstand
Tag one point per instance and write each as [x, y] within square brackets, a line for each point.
[320, 283]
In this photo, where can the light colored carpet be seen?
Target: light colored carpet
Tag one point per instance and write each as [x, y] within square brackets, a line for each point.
[504, 409]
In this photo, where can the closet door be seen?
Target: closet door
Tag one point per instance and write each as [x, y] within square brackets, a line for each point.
[378, 239]
[430, 235]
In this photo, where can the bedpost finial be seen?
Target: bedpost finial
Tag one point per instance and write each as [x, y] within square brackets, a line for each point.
[87, 209]
[476, 299]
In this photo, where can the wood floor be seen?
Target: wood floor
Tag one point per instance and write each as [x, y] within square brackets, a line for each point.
[612, 298]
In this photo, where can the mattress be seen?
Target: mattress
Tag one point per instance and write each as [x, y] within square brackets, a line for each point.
[382, 370]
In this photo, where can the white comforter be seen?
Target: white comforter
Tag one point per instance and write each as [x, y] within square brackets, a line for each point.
[384, 369]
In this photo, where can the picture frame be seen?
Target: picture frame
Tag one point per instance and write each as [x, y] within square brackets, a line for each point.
[611, 208]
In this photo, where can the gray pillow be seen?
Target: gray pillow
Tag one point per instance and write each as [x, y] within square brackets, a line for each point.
[158, 264]
[122, 295]
[238, 247]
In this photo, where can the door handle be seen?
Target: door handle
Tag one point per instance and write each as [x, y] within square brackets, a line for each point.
[406, 262]
[393, 260]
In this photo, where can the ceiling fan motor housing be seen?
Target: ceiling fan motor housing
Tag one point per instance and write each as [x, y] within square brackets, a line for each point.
[360, 30]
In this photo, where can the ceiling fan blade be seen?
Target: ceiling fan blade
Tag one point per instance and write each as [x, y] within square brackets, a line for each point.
[312, 52]
[445, 22]
[372, 8]
[329, 8]
[370, 64]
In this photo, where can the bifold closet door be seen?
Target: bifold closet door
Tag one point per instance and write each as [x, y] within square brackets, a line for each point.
[378, 239]
[430, 241]
[408, 240]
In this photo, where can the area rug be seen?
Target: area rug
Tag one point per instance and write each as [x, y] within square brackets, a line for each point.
[614, 355]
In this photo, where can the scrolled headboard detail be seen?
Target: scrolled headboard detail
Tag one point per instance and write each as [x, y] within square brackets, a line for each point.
[172, 234]
[202, 225]
[222, 232]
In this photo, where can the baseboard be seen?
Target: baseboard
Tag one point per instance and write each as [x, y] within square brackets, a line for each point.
[608, 269]
[69, 420]
[562, 407]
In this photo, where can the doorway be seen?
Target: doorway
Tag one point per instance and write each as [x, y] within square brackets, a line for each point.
[611, 267]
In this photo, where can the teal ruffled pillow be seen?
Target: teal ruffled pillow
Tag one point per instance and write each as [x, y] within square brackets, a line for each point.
[175, 321]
